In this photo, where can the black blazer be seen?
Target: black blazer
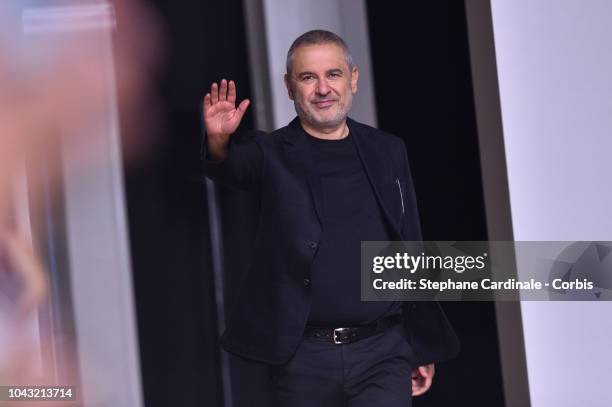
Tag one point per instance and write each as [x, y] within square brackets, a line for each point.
[267, 320]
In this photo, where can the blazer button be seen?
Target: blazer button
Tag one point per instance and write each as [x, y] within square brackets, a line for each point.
[313, 245]
[306, 281]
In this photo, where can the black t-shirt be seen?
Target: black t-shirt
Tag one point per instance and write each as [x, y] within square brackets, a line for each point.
[350, 214]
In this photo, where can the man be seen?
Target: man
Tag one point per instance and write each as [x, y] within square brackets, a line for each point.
[324, 182]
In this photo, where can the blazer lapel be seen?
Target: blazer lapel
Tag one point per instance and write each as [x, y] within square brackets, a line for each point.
[299, 160]
[375, 165]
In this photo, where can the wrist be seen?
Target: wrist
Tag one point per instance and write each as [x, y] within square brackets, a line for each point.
[217, 147]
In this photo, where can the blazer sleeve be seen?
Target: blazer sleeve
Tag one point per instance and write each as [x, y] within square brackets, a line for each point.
[431, 335]
[243, 166]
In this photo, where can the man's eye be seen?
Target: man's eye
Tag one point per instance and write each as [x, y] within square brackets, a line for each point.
[307, 77]
[334, 75]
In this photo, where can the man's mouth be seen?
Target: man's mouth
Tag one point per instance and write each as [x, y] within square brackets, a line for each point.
[324, 103]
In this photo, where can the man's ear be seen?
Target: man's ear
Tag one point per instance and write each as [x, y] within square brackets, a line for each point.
[354, 79]
[288, 85]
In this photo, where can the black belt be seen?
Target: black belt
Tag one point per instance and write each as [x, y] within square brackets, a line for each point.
[351, 334]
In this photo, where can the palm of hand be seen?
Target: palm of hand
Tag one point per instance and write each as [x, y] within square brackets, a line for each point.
[221, 115]
[221, 118]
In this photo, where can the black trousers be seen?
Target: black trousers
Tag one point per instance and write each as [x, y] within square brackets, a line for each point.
[372, 372]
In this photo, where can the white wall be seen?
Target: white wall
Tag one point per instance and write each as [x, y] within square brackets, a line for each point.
[554, 61]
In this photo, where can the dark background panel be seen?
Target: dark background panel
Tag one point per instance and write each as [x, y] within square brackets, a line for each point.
[423, 90]
[168, 213]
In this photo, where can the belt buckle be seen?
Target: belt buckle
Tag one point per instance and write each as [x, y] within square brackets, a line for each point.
[336, 332]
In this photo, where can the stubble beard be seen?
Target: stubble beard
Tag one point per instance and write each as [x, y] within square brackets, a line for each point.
[310, 117]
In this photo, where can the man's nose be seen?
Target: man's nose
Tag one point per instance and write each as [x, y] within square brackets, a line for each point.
[323, 87]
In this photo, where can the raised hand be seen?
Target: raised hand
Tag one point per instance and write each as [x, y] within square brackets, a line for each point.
[221, 116]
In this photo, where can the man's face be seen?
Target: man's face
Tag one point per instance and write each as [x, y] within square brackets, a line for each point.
[321, 85]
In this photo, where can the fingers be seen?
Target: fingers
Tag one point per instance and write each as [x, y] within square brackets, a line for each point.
[207, 101]
[418, 384]
[214, 93]
[223, 91]
[226, 91]
[426, 372]
[231, 96]
[422, 379]
[242, 107]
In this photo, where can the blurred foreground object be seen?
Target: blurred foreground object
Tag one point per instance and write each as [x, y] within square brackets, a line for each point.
[22, 269]
[66, 74]
[51, 84]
